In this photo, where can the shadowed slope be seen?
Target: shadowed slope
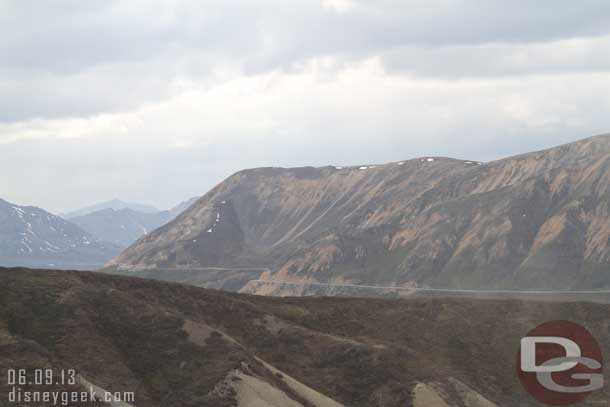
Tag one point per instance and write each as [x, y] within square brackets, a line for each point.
[184, 346]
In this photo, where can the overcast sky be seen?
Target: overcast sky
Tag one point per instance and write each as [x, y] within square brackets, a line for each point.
[157, 101]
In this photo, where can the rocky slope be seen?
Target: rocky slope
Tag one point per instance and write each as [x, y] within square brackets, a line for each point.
[30, 236]
[538, 220]
[176, 345]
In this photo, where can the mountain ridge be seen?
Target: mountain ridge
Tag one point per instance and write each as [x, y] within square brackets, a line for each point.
[536, 220]
[116, 204]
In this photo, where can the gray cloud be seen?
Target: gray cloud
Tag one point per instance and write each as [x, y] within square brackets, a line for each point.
[104, 99]
[71, 58]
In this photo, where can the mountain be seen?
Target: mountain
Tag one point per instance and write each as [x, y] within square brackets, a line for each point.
[537, 220]
[175, 345]
[30, 236]
[121, 227]
[124, 226]
[115, 204]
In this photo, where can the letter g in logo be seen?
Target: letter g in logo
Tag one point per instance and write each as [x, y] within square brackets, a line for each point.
[559, 363]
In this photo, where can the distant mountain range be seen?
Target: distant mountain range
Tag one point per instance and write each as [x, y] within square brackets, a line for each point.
[115, 204]
[121, 227]
[33, 237]
[537, 220]
[123, 223]
[30, 236]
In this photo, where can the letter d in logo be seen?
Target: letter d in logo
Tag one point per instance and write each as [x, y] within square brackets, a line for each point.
[528, 353]
[559, 363]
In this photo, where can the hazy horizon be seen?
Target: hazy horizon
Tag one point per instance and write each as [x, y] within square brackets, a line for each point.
[181, 200]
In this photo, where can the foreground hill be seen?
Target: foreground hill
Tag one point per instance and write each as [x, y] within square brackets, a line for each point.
[538, 220]
[176, 345]
[30, 236]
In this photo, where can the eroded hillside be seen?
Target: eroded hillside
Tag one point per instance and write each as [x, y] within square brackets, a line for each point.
[176, 345]
[539, 220]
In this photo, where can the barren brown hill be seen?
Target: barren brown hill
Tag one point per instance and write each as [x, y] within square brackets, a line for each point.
[538, 220]
[176, 345]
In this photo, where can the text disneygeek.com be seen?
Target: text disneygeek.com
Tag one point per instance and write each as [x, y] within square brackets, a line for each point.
[26, 389]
